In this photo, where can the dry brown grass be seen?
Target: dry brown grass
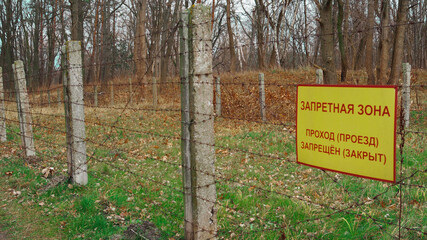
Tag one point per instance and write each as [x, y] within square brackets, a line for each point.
[240, 93]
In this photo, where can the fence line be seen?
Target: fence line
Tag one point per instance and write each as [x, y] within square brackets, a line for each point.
[199, 148]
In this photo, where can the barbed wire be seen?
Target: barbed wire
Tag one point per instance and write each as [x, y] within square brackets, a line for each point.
[326, 207]
[168, 136]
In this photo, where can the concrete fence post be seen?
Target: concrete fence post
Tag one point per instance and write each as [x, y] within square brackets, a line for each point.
[95, 95]
[218, 96]
[262, 96]
[41, 97]
[155, 100]
[111, 93]
[24, 111]
[74, 113]
[406, 93]
[202, 125]
[68, 136]
[130, 91]
[185, 126]
[2, 110]
[58, 97]
[48, 97]
[64, 78]
[319, 76]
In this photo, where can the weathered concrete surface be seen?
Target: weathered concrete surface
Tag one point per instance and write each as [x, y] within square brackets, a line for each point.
[76, 117]
[406, 92]
[262, 96]
[2, 110]
[202, 126]
[185, 126]
[24, 110]
[319, 76]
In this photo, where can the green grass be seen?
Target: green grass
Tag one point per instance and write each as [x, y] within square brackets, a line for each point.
[135, 176]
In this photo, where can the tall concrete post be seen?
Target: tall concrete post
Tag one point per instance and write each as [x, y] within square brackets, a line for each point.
[95, 95]
[75, 114]
[185, 125]
[2, 110]
[130, 91]
[218, 96]
[58, 97]
[68, 136]
[41, 97]
[202, 125]
[262, 96]
[155, 93]
[111, 93]
[24, 111]
[319, 76]
[18, 105]
[48, 97]
[64, 77]
[406, 93]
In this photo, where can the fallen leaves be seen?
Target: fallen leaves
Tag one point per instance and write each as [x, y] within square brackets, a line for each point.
[48, 172]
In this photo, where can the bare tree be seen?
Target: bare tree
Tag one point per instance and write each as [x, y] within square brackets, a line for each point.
[399, 37]
[275, 25]
[384, 43]
[140, 49]
[93, 72]
[51, 42]
[231, 40]
[77, 20]
[341, 42]
[370, 43]
[327, 41]
[260, 35]
[7, 41]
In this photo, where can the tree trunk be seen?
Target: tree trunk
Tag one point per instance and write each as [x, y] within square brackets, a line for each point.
[7, 46]
[113, 43]
[260, 37]
[213, 14]
[77, 23]
[52, 41]
[307, 53]
[153, 51]
[140, 50]
[41, 75]
[231, 40]
[63, 35]
[384, 44]
[36, 41]
[316, 48]
[168, 32]
[342, 45]
[399, 37]
[327, 42]
[275, 57]
[359, 54]
[370, 43]
[106, 48]
[92, 73]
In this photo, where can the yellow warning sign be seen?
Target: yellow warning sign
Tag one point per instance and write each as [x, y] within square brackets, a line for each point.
[348, 129]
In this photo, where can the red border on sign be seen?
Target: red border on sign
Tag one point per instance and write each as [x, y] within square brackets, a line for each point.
[351, 86]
